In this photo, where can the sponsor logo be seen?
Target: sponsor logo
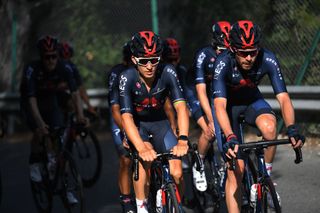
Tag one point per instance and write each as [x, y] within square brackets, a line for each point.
[201, 57]
[138, 85]
[171, 71]
[218, 69]
[122, 82]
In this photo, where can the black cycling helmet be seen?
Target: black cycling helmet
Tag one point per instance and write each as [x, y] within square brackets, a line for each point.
[171, 49]
[65, 50]
[245, 35]
[126, 52]
[220, 34]
[146, 44]
[47, 44]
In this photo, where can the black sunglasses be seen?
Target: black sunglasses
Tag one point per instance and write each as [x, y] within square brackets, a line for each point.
[50, 56]
[145, 61]
[244, 54]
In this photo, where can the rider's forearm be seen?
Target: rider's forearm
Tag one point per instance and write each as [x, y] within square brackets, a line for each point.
[287, 109]
[131, 131]
[222, 115]
[84, 95]
[204, 101]
[35, 112]
[183, 118]
[116, 115]
[77, 103]
[170, 113]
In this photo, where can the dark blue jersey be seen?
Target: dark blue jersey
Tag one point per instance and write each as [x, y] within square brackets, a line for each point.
[189, 91]
[240, 86]
[75, 73]
[113, 83]
[36, 82]
[144, 105]
[203, 65]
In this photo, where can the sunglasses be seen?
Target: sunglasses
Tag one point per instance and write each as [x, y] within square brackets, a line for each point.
[50, 56]
[144, 61]
[244, 54]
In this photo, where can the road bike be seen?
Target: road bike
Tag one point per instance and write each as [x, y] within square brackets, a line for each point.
[256, 175]
[61, 179]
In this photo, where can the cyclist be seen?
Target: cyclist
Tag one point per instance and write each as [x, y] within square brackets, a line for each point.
[66, 53]
[125, 175]
[143, 90]
[237, 73]
[39, 88]
[202, 71]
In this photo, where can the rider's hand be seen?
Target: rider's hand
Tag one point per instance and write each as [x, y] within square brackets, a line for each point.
[230, 148]
[43, 129]
[147, 154]
[125, 143]
[83, 120]
[181, 148]
[297, 140]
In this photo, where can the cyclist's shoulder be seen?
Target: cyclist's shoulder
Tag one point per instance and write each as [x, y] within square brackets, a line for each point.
[166, 69]
[204, 51]
[226, 56]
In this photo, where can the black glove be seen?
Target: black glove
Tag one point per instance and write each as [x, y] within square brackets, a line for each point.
[232, 141]
[293, 132]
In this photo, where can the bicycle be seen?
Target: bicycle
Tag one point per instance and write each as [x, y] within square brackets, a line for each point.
[63, 179]
[162, 185]
[214, 169]
[86, 150]
[256, 173]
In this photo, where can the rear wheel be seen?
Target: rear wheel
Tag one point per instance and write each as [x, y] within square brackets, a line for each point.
[72, 183]
[87, 154]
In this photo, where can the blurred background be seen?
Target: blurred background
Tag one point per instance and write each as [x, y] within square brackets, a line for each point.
[97, 30]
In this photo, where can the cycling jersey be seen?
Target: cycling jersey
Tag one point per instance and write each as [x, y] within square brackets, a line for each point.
[240, 87]
[44, 86]
[189, 92]
[75, 73]
[113, 98]
[203, 66]
[144, 105]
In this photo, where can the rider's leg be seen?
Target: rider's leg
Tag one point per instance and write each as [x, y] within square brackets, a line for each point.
[267, 125]
[125, 176]
[176, 172]
[204, 138]
[233, 187]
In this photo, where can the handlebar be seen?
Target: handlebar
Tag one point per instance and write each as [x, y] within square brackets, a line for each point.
[259, 145]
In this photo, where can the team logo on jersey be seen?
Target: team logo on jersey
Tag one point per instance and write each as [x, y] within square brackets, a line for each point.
[218, 69]
[200, 59]
[138, 85]
[122, 84]
[212, 59]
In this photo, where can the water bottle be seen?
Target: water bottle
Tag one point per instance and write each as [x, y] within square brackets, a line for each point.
[159, 201]
[253, 194]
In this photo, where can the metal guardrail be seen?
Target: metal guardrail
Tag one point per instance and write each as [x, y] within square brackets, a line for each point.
[304, 98]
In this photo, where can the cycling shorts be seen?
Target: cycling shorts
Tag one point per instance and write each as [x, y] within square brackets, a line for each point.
[163, 138]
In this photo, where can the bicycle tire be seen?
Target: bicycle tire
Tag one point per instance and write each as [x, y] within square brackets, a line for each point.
[41, 192]
[71, 182]
[173, 205]
[88, 155]
[268, 187]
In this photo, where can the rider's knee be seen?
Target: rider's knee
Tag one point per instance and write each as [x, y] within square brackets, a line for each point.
[125, 162]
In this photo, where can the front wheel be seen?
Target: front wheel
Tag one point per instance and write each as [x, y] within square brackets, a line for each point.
[88, 156]
[72, 186]
[172, 199]
[41, 192]
[272, 202]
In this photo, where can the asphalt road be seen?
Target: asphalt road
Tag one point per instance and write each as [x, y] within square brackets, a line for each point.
[298, 185]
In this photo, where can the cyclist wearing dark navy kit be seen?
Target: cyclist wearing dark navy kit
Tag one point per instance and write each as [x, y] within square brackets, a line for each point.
[143, 91]
[203, 67]
[125, 175]
[236, 75]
